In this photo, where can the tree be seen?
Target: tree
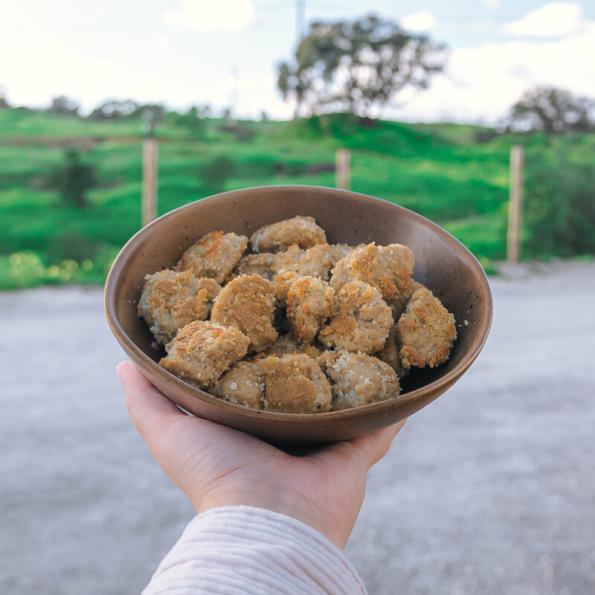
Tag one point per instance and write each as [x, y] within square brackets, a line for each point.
[114, 109]
[73, 178]
[357, 66]
[64, 105]
[215, 173]
[3, 101]
[551, 110]
[194, 121]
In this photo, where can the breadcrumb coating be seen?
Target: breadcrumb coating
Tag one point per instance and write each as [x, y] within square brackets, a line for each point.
[286, 345]
[317, 261]
[215, 255]
[248, 304]
[387, 268]
[170, 300]
[361, 319]
[300, 230]
[295, 384]
[389, 354]
[202, 350]
[425, 331]
[358, 379]
[243, 384]
[309, 305]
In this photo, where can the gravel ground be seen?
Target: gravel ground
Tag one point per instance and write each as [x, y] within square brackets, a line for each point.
[489, 490]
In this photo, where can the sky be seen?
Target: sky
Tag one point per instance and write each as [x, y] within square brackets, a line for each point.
[224, 52]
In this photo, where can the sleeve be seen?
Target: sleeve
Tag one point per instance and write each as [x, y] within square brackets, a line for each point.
[247, 550]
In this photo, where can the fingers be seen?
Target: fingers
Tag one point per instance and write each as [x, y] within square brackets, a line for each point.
[147, 407]
[375, 445]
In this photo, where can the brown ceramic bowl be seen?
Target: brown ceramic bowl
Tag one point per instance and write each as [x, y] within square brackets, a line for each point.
[441, 263]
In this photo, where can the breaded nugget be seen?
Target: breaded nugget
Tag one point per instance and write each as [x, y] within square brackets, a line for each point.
[255, 264]
[388, 268]
[389, 354]
[214, 255]
[358, 379]
[295, 384]
[313, 262]
[300, 230]
[282, 283]
[202, 350]
[170, 300]
[309, 305]
[361, 319]
[286, 345]
[248, 304]
[425, 331]
[243, 384]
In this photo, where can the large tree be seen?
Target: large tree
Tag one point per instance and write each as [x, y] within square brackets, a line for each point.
[551, 110]
[357, 66]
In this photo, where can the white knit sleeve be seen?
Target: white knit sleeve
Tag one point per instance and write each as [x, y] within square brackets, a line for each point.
[247, 550]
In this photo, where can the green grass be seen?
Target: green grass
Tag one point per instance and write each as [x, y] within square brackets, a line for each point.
[440, 171]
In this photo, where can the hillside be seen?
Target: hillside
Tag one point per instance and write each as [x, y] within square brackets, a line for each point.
[456, 175]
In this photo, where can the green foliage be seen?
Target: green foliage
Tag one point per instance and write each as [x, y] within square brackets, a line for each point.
[215, 173]
[559, 206]
[73, 178]
[357, 66]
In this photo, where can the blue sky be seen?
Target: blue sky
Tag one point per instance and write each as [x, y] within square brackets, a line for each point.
[199, 51]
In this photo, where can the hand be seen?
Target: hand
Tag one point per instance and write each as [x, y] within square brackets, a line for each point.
[217, 466]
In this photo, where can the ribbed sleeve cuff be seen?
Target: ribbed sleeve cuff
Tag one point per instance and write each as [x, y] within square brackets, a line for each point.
[242, 549]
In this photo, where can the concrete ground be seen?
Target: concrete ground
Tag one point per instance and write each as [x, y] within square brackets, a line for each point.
[489, 490]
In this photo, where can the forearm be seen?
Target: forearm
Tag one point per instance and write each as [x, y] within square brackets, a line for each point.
[241, 549]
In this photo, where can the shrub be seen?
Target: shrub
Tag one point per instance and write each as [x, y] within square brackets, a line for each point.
[559, 207]
[73, 178]
[215, 173]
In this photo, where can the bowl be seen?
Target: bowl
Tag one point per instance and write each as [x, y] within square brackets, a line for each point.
[441, 262]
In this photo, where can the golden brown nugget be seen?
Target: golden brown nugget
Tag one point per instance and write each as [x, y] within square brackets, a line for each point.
[387, 268]
[358, 379]
[301, 231]
[425, 331]
[283, 282]
[202, 350]
[389, 354]
[286, 345]
[295, 384]
[309, 305]
[361, 319]
[248, 304]
[243, 384]
[214, 255]
[313, 262]
[170, 300]
[255, 264]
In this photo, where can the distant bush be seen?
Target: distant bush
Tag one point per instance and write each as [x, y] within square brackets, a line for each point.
[71, 245]
[73, 178]
[194, 121]
[215, 173]
[243, 133]
[64, 105]
[559, 207]
[114, 109]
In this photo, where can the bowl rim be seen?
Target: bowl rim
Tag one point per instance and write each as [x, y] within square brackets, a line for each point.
[435, 387]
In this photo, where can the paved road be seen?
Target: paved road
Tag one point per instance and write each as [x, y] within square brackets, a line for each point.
[490, 490]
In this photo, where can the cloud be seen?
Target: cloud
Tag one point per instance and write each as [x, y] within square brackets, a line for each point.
[211, 15]
[492, 3]
[482, 82]
[419, 22]
[551, 20]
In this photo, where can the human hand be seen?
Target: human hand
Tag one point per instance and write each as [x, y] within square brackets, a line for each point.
[217, 466]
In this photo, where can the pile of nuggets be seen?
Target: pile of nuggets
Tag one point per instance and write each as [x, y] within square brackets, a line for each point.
[297, 325]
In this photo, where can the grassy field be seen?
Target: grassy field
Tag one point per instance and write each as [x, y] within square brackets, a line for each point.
[449, 173]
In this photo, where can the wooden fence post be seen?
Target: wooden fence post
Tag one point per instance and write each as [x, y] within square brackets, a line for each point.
[149, 199]
[342, 166]
[515, 204]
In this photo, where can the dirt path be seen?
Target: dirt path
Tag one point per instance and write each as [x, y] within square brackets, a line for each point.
[490, 490]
